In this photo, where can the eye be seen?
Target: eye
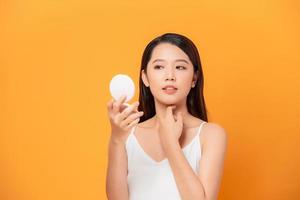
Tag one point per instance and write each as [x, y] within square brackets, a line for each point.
[158, 66]
[181, 67]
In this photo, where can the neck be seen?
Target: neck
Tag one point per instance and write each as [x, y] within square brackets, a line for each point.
[160, 109]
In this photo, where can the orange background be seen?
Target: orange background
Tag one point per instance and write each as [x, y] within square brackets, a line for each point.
[57, 58]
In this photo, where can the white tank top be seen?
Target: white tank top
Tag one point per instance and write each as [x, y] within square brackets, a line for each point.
[148, 179]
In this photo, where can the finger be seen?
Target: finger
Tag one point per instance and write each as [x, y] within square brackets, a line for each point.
[110, 104]
[171, 108]
[137, 109]
[128, 110]
[169, 112]
[131, 118]
[123, 106]
[120, 116]
[116, 105]
[122, 99]
[135, 122]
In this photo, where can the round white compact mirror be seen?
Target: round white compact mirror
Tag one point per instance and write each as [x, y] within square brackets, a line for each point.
[121, 84]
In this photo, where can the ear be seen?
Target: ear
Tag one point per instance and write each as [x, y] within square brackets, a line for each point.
[194, 79]
[145, 78]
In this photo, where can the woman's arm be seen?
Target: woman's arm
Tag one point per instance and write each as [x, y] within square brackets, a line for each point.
[122, 119]
[116, 179]
[212, 160]
[205, 184]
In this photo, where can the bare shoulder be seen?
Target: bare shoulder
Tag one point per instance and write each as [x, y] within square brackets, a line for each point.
[212, 158]
[214, 133]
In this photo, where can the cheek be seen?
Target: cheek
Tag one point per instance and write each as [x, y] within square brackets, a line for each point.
[185, 78]
[155, 85]
[185, 82]
[155, 78]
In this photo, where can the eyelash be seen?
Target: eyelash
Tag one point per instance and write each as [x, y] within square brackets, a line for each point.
[156, 66]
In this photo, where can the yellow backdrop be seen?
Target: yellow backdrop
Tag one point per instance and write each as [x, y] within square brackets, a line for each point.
[57, 58]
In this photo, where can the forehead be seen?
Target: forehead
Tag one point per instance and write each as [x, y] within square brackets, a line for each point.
[168, 52]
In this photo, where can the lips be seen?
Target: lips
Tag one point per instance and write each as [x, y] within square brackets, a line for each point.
[169, 87]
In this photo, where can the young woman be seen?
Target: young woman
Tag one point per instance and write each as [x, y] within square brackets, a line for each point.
[163, 147]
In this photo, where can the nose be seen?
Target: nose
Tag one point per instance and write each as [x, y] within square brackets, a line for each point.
[170, 75]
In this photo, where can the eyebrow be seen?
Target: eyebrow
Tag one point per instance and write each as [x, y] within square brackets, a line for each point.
[182, 60]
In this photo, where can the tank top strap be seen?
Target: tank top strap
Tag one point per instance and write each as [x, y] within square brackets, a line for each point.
[129, 146]
[200, 128]
[129, 137]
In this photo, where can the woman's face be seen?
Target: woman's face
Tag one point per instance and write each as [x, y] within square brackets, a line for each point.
[169, 66]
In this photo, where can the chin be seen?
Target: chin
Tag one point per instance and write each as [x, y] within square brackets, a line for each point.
[169, 102]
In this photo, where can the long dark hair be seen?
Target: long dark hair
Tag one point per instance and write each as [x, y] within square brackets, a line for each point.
[195, 99]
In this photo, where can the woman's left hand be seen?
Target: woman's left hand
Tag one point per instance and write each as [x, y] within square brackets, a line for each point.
[169, 127]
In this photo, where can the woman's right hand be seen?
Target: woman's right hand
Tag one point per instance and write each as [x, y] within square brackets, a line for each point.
[122, 117]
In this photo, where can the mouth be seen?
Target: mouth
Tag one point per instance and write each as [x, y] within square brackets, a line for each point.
[169, 89]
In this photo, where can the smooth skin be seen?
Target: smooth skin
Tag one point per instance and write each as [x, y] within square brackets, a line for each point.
[172, 128]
